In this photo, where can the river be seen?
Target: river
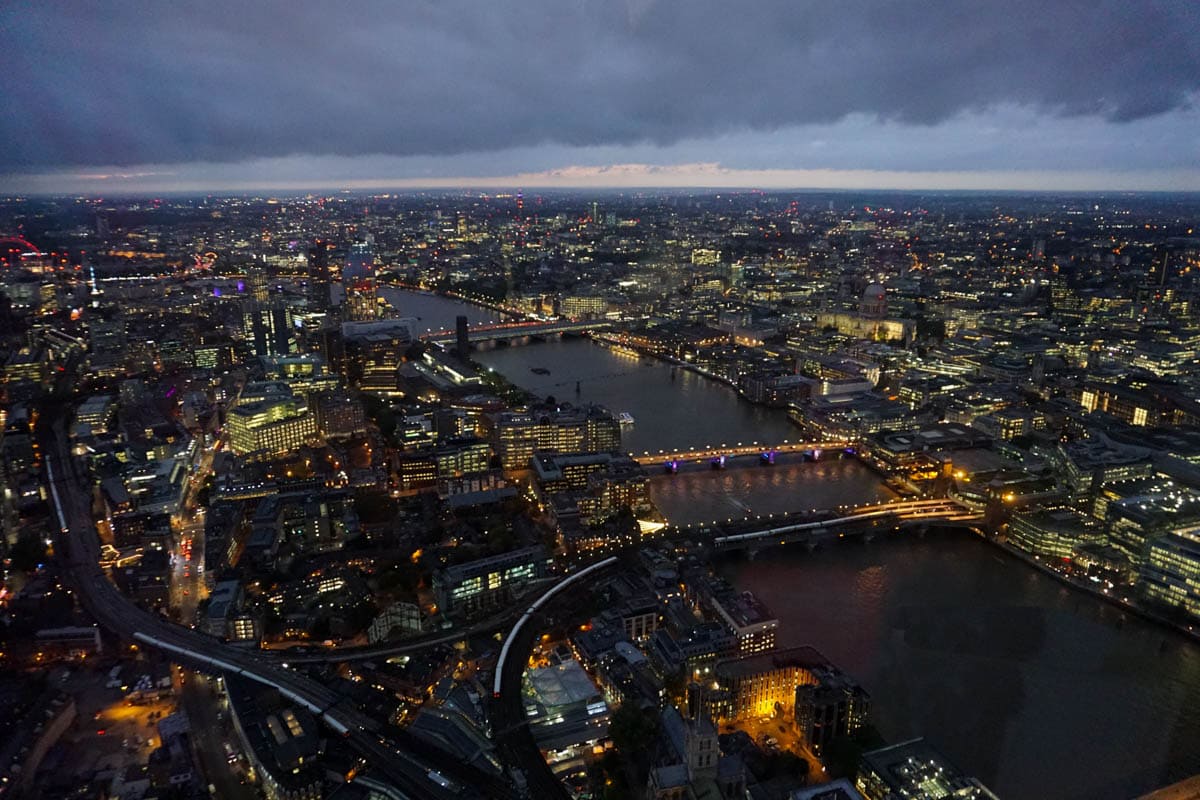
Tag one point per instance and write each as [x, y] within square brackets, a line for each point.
[672, 408]
[748, 489]
[1037, 690]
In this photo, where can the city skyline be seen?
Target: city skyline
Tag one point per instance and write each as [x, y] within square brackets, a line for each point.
[600, 400]
[640, 94]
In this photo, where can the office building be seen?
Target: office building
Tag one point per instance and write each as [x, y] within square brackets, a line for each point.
[833, 707]
[358, 281]
[751, 623]
[282, 742]
[397, 620]
[1135, 522]
[584, 430]
[1054, 532]
[461, 336]
[270, 426]
[488, 582]
[1171, 571]
[915, 770]
[318, 275]
[267, 326]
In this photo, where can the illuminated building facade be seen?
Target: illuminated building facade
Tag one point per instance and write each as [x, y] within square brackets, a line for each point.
[268, 328]
[488, 582]
[583, 306]
[1171, 572]
[270, 426]
[358, 280]
[1135, 522]
[752, 625]
[590, 430]
[1054, 532]
[761, 686]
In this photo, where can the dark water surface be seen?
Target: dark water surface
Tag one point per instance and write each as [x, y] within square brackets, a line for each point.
[749, 489]
[1037, 690]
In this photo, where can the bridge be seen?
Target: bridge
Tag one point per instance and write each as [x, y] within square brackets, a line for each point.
[516, 330]
[864, 521]
[717, 453]
[416, 768]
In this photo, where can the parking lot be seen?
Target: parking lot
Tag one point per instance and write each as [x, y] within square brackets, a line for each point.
[110, 731]
[776, 734]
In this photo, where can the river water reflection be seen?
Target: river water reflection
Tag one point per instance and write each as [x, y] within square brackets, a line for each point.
[747, 489]
[1039, 691]
[672, 408]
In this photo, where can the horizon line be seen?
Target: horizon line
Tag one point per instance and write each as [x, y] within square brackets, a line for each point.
[269, 191]
[184, 179]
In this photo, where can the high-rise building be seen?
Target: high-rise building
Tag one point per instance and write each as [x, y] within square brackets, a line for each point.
[268, 328]
[318, 275]
[358, 279]
[462, 340]
[257, 283]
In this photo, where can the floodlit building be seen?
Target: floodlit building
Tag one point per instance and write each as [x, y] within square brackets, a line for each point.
[270, 426]
[584, 430]
[1054, 532]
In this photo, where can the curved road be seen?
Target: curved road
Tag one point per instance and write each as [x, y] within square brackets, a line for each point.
[79, 549]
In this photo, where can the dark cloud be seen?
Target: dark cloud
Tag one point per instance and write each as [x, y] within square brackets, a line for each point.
[127, 83]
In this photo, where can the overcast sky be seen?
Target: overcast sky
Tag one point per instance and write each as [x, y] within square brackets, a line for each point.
[1021, 94]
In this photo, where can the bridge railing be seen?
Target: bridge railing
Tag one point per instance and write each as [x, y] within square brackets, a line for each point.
[915, 510]
[860, 508]
[737, 449]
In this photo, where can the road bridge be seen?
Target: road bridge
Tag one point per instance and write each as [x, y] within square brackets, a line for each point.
[516, 330]
[672, 459]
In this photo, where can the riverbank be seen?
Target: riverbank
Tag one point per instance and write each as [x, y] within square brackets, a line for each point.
[608, 340]
[1090, 588]
[667, 409]
[993, 663]
[481, 302]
